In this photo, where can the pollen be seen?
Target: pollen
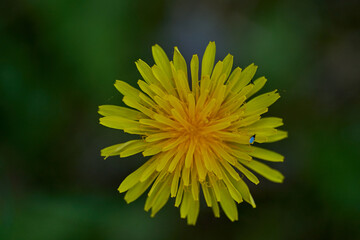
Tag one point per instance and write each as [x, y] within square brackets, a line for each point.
[198, 126]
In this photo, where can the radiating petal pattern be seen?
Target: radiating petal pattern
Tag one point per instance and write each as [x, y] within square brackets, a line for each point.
[198, 123]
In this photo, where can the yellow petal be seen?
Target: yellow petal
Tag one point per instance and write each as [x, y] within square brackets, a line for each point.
[179, 61]
[260, 102]
[180, 119]
[160, 136]
[215, 186]
[177, 105]
[164, 158]
[193, 212]
[152, 150]
[141, 130]
[155, 187]
[264, 170]
[160, 201]
[219, 95]
[222, 153]
[245, 90]
[203, 96]
[247, 121]
[206, 193]
[266, 154]
[258, 84]
[205, 85]
[148, 172]
[240, 154]
[134, 148]
[232, 105]
[133, 178]
[173, 143]
[233, 79]
[277, 137]
[162, 103]
[243, 189]
[116, 149]
[145, 87]
[216, 73]
[112, 110]
[246, 172]
[190, 154]
[159, 197]
[138, 189]
[126, 90]
[146, 72]
[165, 120]
[264, 132]
[157, 90]
[229, 169]
[221, 124]
[228, 63]
[208, 60]
[232, 190]
[175, 182]
[131, 102]
[194, 66]
[152, 123]
[245, 77]
[146, 101]
[178, 156]
[194, 184]
[268, 122]
[204, 156]
[135, 95]
[207, 109]
[167, 83]
[214, 165]
[185, 205]
[200, 166]
[215, 205]
[227, 203]
[233, 137]
[191, 102]
[182, 85]
[118, 122]
[162, 60]
[179, 195]
[186, 176]
[245, 148]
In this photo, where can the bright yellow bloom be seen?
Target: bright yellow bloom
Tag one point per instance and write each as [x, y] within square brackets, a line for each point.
[198, 136]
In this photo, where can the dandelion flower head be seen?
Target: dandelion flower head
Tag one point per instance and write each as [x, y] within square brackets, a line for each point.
[198, 125]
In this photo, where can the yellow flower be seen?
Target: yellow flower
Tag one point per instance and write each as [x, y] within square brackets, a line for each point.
[199, 137]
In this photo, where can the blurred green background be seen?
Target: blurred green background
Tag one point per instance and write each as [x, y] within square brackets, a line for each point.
[59, 60]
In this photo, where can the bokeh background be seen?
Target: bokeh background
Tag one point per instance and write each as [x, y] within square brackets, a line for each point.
[59, 60]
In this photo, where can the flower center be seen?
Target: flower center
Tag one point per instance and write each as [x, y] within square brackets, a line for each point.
[195, 130]
[198, 130]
